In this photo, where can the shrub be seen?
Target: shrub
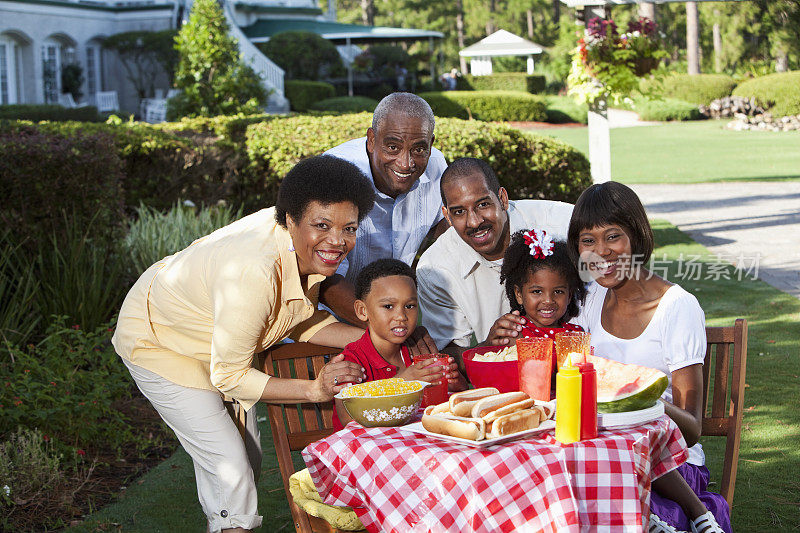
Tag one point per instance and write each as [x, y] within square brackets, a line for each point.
[778, 92]
[19, 285]
[211, 74]
[153, 235]
[346, 104]
[29, 470]
[666, 110]
[528, 165]
[39, 112]
[698, 89]
[303, 94]
[66, 386]
[228, 127]
[487, 105]
[564, 109]
[504, 81]
[304, 55]
[44, 175]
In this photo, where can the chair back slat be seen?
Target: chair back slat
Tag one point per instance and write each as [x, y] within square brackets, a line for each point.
[727, 350]
[326, 409]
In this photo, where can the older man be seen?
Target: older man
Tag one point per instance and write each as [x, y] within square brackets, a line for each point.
[458, 277]
[397, 154]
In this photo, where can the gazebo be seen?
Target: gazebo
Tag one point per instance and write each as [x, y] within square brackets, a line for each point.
[500, 43]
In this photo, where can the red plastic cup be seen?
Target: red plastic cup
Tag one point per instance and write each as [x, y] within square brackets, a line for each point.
[436, 392]
[535, 366]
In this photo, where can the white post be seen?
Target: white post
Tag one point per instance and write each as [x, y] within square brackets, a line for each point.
[599, 142]
[349, 68]
[530, 65]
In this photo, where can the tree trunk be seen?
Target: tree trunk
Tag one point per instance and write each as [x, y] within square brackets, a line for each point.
[368, 12]
[782, 61]
[462, 61]
[529, 16]
[490, 22]
[647, 10]
[692, 38]
[717, 43]
[556, 11]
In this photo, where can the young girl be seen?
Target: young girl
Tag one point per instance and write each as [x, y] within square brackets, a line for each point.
[542, 284]
[637, 317]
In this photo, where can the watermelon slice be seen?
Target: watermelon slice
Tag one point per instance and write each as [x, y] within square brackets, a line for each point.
[626, 387]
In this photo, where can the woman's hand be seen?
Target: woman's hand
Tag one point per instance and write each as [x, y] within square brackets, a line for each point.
[505, 329]
[420, 343]
[425, 370]
[333, 377]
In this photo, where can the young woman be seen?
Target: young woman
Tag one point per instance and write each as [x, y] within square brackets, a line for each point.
[637, 317]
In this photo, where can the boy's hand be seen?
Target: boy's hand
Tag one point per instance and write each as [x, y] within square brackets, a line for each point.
[426, 370]
[505, 329]
[455, 381]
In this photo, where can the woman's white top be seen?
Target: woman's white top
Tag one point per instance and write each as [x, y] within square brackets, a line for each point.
[674, 338]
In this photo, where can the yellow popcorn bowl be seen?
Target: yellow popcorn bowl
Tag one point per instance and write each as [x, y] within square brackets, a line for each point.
[383, 403]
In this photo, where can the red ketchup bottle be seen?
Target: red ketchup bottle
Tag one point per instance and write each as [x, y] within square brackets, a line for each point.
[588, 400]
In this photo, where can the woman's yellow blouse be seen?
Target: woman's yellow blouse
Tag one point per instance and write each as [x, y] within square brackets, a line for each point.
[198, 317]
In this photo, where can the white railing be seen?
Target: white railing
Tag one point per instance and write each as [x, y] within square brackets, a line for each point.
[271, 73]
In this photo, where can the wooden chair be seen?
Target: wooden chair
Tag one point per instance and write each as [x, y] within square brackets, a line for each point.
[725, 418]
[295, 426]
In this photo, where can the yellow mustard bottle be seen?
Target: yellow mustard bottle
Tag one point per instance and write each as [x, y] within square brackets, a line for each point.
[568, 404]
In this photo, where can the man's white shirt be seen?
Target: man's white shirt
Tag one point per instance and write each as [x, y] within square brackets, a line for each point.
[460, 292]
[395, 227]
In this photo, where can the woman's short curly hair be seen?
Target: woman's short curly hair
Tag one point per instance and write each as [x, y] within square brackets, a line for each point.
[325, 179]
[612, 203]
[518, 263]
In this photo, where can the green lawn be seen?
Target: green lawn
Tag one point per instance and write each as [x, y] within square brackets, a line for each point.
[767, 488]
[691, 152]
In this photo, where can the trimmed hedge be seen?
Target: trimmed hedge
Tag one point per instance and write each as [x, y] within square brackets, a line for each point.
[780, 92]
[564, 109]
[503, 81]
[346, 104]
[56, 113]
[46, 176]
[487, 105]
[529, 166]
[699, 89]
[303, 94]
[226, 127]
[666, 110]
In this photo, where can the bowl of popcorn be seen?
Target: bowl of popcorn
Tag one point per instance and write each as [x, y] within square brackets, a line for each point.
[383, 402]
[493, 366]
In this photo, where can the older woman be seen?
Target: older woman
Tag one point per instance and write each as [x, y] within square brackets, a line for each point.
[190, 327]
[637, 317]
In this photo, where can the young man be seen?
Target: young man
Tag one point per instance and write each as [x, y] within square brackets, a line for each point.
[459, 275]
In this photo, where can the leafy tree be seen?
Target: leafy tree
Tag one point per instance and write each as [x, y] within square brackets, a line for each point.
[211, 73]
[144, 55]
[304, 55]
[72, 79]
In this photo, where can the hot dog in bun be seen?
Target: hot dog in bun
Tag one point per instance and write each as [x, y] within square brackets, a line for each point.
[461, 402]
[455, 426]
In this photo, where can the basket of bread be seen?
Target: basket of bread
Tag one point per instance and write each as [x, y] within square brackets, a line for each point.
[493, 366]
[486, 413]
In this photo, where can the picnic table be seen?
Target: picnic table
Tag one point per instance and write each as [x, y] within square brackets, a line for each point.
[402, 482]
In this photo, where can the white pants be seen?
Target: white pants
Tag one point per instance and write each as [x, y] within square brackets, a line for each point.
[226, 466]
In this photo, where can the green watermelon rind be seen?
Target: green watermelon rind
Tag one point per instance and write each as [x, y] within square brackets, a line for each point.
[643, 399]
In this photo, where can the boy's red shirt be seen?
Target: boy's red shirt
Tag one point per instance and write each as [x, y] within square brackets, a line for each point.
[363, 352]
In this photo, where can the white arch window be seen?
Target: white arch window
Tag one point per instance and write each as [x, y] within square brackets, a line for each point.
[94, 68]
[9, 71]
[55, 55]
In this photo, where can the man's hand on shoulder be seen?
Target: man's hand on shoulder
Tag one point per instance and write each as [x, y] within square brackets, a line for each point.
[505, 329]
[420, 342]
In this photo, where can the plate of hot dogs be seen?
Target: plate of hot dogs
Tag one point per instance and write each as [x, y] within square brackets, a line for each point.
[485, 417]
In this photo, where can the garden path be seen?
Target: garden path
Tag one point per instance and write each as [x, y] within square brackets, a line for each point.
[757, 220]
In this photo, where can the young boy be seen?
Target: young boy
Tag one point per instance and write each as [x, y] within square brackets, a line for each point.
[386, 298]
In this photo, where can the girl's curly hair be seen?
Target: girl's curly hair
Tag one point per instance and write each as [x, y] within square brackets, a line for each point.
[518, 262]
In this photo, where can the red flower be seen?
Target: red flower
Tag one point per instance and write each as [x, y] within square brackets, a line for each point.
[53, 383]
[45, 438]
[81, 452]
[18, 402]
[76, 326]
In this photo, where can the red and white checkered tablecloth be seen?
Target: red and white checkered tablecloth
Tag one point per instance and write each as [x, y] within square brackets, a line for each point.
[403, 482]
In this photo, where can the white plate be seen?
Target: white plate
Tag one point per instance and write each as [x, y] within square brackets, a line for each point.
[630, 418]
[416, 427]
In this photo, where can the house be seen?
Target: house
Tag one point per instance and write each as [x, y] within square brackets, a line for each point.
[39, 37]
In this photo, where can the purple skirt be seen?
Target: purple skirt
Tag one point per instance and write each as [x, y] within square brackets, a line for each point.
[697, 478]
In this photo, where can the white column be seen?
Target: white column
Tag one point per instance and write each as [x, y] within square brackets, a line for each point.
[530, 64]
[599, 142]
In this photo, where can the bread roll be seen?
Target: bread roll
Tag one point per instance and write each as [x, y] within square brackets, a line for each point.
[461, 402]
[486, 405]
[514, 423]
[455, 426]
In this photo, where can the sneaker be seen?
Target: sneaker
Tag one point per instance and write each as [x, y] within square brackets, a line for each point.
[706, 523]
[659, 526]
